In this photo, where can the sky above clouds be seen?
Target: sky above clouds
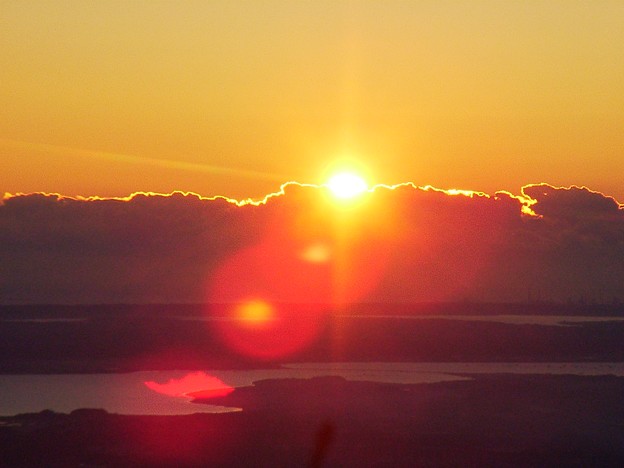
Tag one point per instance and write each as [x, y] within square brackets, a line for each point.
[234, 98]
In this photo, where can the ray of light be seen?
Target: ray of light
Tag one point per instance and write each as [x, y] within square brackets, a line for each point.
[144, 160]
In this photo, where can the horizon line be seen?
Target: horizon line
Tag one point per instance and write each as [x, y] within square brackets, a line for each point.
[525, 200]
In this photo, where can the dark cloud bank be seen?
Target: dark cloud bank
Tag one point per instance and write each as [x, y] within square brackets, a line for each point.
[403, 244]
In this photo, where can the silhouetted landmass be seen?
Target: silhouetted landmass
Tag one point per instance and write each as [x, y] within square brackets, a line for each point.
[422, 308]
[115, 338]
[502, 420]
[492, 420]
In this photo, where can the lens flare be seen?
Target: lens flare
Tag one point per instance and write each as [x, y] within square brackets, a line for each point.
[194, 385]
[316, 253]
[272, 299]
[255, 312]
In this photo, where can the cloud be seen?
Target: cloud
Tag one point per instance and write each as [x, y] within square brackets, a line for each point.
[399, 243]
[573, 203]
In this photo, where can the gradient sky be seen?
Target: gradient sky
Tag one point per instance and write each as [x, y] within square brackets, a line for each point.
[232, 98]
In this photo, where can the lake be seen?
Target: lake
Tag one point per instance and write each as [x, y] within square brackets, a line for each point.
[127, 393]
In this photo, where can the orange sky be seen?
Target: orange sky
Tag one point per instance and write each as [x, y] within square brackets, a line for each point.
[232, 98]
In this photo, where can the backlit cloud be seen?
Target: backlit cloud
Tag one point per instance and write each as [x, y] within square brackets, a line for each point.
[399, 243]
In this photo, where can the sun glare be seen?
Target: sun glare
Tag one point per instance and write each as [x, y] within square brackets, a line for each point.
[346, 185]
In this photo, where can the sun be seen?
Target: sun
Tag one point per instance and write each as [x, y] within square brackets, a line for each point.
[346, 185]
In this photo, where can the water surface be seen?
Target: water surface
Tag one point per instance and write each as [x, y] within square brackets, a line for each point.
[126, 393]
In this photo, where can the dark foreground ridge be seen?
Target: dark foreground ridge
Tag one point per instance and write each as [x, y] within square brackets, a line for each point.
[503, 420]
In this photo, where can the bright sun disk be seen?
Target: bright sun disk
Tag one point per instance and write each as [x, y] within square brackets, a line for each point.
[346, 185]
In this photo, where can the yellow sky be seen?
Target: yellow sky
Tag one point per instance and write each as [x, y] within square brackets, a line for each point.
[232, 98]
